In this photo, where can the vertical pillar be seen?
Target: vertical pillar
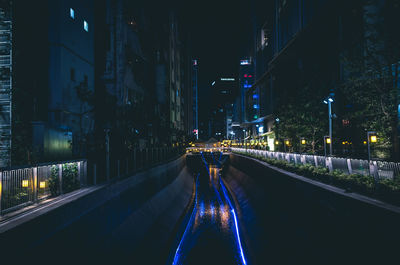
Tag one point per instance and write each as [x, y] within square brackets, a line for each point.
[85, 180]
[329, 163]
[79, 173]
[60, 178]
[35, 183]
[316, 161]
[349, 166]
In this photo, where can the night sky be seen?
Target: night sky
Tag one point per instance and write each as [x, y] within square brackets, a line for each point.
[220, 32]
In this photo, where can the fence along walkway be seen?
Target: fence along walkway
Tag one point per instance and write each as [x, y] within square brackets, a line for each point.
[23, 186]
[377, 169]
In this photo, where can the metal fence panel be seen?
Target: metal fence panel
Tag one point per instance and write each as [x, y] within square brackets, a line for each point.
[19, 187]
[359, 166]
[340, 164]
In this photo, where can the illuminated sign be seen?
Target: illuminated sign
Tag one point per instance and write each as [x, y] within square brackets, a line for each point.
[194, 62]
[261, 129]
[244, 62]
[227, 79]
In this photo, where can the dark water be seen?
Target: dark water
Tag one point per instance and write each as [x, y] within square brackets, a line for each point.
[212, 235]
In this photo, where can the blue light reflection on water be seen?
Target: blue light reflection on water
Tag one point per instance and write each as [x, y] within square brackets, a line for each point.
[191, 220]
[214, 210]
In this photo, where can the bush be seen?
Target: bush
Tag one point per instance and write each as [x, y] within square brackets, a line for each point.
[390, 190]
[70, 179]
[54, 182]
[387, 190]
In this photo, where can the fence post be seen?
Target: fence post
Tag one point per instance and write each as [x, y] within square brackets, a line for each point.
[60, 177]
[303, 159]
[373, 170]
[85, 172]
[35, 184]
[1, 188]
[329, 164]
[94, 174]
[316, 161]
[79, 173]
[349, 166]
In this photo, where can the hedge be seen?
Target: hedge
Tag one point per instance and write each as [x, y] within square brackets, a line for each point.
[386, 189]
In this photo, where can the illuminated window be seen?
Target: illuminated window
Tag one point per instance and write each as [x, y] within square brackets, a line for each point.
[85, 26]
[72, 13]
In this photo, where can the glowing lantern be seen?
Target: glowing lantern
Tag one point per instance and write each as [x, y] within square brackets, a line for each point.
[25, 183]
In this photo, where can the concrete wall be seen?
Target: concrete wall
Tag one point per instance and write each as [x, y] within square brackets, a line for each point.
[299, 221]
[111, 223]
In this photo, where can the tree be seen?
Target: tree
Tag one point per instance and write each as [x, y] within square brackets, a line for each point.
[371, 85]
[304, 116]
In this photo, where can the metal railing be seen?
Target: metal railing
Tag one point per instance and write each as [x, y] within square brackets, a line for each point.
[135, 160]
[23, 186]
[377, 169]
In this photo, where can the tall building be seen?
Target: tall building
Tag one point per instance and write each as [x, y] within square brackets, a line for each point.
[195, 100]
[5, 82]
[49, 61]
[146, 76]
[223, 94]
[304, 50]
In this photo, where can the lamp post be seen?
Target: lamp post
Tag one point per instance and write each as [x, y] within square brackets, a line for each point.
[286, 143]
[371, 138]
[302, 143]
[327, 140]
[329, 100]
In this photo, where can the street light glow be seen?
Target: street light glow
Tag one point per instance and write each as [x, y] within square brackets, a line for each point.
[373, 139]
[328, 140]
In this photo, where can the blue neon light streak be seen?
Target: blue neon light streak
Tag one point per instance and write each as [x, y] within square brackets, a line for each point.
[236, 222]
[191, 220]
[234, 216]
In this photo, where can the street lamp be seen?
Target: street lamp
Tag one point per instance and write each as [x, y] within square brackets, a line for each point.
[287, 143]
[327, 140]
[329, 100]
[302, 143]
[371, 138]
